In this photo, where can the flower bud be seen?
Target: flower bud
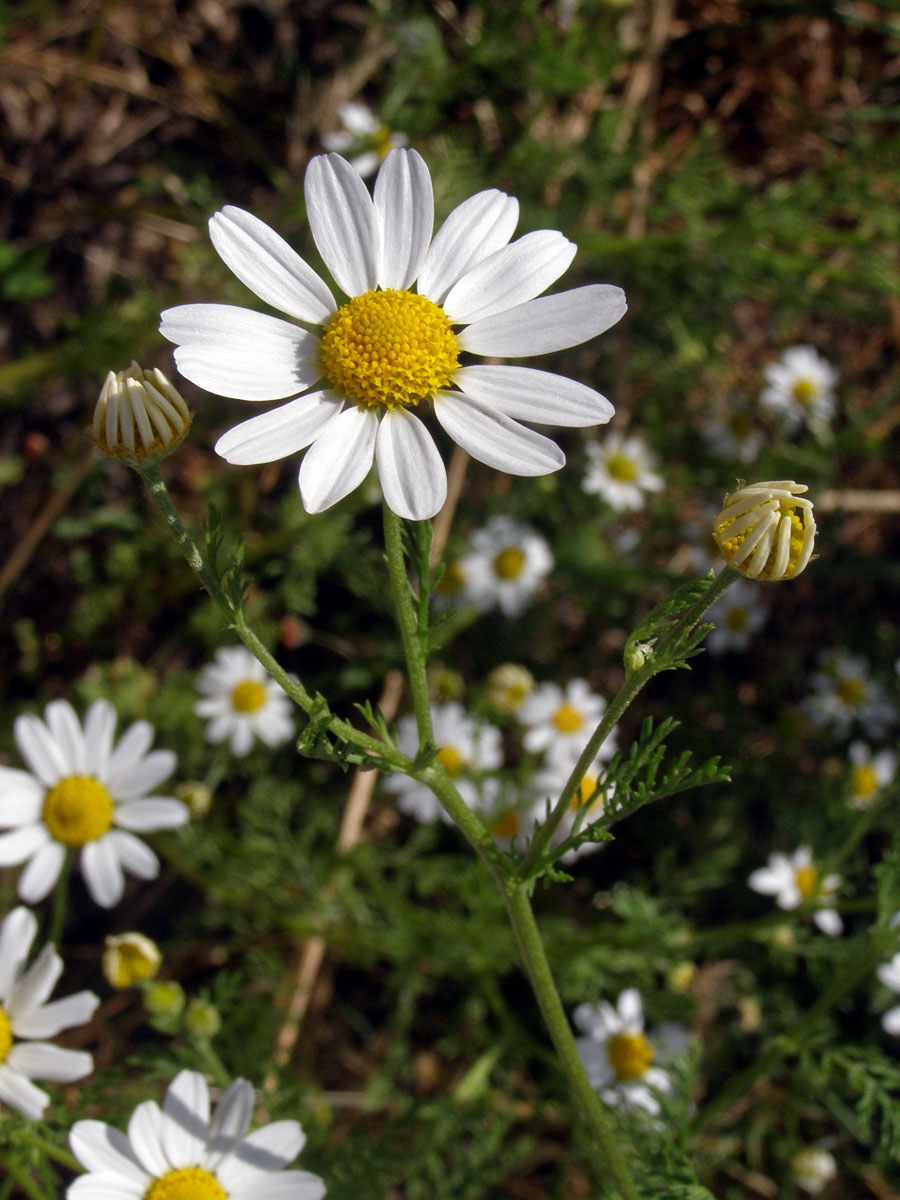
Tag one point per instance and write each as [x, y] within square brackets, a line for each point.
[140, 416]
[201, 1019]
[196, 795]
[164, 1000]
[766, 530]
[129, 958]
[813, 1168]
[507, 686]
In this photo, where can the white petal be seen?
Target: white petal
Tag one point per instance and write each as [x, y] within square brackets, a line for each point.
[286, 1185]
[510, 276]
[16, 935]
[134, 855]
[269, 267]
[152, 813]
[99, 728]
[51, 1019]
[546, 324]
[829, 921]
[66, 729]
[40, 1060]
[496, 439]
[241, 353]
[107, 1185]
[146, 775]
[38, 878]
[630, 1011]
[339, 460]
[891, 1020]
[410, 468]
[342, 219]
[21, 844]
[102, 872]
[185, 1119]
[473, 231]
[404, 210]
[132, 746]
[241, 737]
[33, 988]
[19, 1093]
[230, 1121]
[99, 1147]
[21, 798]
[283, 431]
[39, 749]
[536, 396]
[145, 1135]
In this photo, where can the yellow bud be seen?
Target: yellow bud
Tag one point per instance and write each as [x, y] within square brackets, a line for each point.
[681, 976]
[766, 530]
[201, 1019]
[140, 416]
[164, 999]
[129, 958]
[196, 795]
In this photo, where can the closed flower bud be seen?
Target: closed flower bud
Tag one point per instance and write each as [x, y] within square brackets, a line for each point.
[766, 530]
[813, 1168]
[196, 795]
[164, 1000]
[507, 686]
[140, 416]
[201, 1019]
[130, 958]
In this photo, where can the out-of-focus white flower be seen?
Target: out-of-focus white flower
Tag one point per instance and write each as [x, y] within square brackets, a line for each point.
[507, 687]
[351, 393]
[793, 879]
[560, 721]
[242, 702]
[466, 748]
[179, 1152]
[737, 615]
[731, 432]
[140, 416]
[869, 773]
[129, 958]
[621, 470]
[84, 793]
[844, 693]
[505, 565]
[813, 1168]
[766, 530]
[586, 806]
[800, 389]
[619, 1056]
[889, 974]
[26, 1015]
[365, 139]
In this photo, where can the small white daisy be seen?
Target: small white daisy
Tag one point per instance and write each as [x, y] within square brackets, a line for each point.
[731, 432]
[466, 748]
[179, 1152]
[843, 693]
[560, 721]
[737, 615]
[813, 1168]
[621, 470]
[619, 1056]
[367, 139]
[889, 974]
[800, 389]
[793, 879]
[82, 792]
[25, 1015]
[505, 565]
[390, 350]
[870, 773]
[586, 806]
[242, 702]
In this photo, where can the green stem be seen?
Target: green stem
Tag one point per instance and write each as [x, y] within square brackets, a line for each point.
[56, 1153]
[634, 682]
[26, 1183]
[413, 647]
[214, 1064]
[60, 895]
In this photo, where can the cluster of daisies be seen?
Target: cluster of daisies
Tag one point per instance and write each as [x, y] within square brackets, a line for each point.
[553, 725]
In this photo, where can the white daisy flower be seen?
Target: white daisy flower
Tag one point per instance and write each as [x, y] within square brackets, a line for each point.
[731, 432]
[813, 1168]
[889, 974]
[465, 747]
[870, 773]
[179, 1152]
[737, 615]
[800, 388]
[83, 792]
[364, 133]
[586, 806]
[560, 721]
[621, 470]
[242, 702]
[843, 694]
[619, 1056]
[25, 1015]
[505, 565]
[793, 879]
[389, 349]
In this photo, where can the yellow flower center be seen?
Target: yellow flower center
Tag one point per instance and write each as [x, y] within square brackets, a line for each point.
[865, 782]
[506, 826]
[630, 1055]
[851, 692]
[740, 424]
[804, 392]
[186, 1183]
[383, 140]
[621, 467]
[248, 696]
[806, 879]
[77, 810]
[451, 760]
[730, 546]
[6, 1037]
[508, 563]
[736, 620]
[453, 579]
[567, 719]
[389, 349]
[585, 798]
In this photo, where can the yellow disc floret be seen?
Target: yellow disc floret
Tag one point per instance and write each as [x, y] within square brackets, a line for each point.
[804, 392]
[630, 1055]
[766, 530]
[6, 1037]
[507, 825]
[77, 810]
[451, 760]
[806, 879]
[248, 696]
[567, 719]
[622, 468]
[388, 349]
[851, 692]
[186, 1183]
[508, 563]
[865, 782]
